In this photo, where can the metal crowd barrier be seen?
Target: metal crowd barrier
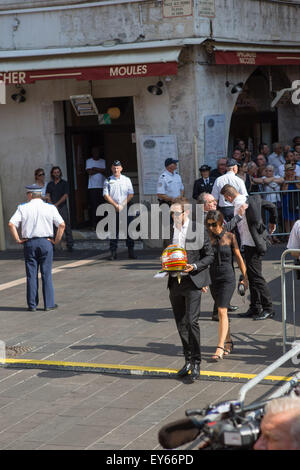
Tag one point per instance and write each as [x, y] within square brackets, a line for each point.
[295, 208]
[285, 265]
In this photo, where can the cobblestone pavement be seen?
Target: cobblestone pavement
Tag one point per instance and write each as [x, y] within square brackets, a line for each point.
[115, 313]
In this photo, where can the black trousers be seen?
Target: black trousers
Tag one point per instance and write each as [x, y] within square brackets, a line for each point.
[95, 199]
[260, 297]
[64, 212]
[113, 244]
[185, 300]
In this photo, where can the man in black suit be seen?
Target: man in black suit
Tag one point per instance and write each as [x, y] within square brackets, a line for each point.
[203, 184]
[254, 239]
[185, 296]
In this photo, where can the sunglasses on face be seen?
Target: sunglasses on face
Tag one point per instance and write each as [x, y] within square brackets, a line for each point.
[177, 214]
[213, 224]
[41, 174]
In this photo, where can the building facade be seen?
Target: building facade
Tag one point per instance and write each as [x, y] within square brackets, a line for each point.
[156, 73]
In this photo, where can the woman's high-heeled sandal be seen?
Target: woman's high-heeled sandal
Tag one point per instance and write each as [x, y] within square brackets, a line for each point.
[217, 357]
[230, 349]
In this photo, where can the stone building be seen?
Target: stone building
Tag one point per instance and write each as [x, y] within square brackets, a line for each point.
[155, 73]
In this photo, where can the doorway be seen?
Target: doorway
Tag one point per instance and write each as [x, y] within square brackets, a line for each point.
[117, 142]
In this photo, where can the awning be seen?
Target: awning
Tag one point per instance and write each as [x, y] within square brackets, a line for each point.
[92, 65]
[254, 54]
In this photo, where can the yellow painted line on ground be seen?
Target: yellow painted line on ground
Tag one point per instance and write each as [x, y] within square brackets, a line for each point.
[131, 369]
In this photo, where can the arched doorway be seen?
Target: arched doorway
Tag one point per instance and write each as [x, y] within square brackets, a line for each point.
[253, 119]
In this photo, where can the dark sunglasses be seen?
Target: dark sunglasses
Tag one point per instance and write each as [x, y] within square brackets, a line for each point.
[213, 224]
[41, 174]
[177, 214]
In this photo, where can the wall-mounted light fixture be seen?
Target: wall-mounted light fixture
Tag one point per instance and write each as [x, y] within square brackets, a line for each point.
[156, 89]
[236, 88]
[19, 97]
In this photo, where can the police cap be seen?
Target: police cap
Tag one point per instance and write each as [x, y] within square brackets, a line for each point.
[169, 161]
[34, 188]
[117, 163]
[204, 168]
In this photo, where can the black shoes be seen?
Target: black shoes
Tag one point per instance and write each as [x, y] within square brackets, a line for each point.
[194, 368]
[249, 314]
[47, 309]
[195, 371]
[184, 370]
[264, 315]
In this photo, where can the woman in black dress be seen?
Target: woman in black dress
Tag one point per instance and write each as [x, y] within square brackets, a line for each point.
[223, 277]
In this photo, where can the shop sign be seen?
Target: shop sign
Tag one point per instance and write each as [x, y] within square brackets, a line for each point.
[256, 58]
[91, 73]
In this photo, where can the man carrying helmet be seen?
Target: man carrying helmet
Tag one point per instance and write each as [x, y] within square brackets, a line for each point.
[185, 296]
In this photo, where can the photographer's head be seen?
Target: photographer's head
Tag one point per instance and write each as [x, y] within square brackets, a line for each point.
[280, 426]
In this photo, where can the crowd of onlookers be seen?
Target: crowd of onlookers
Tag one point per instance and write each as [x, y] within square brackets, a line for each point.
[275, 173]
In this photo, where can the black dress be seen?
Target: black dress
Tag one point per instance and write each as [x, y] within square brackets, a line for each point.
[222, 270]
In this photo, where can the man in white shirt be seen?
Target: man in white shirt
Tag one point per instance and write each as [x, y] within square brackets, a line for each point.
[276, 159]
[169, 185]
[95, 168]
[230, 177]
[118, 191]
[36, 219]
[253, 238]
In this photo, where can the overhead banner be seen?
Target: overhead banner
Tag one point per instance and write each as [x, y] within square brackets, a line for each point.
[256, 58]
[91, 73]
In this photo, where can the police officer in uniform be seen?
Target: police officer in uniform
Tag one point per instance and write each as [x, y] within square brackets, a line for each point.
[169, 187]
[118, 191]
[36, 219]
[203, 184]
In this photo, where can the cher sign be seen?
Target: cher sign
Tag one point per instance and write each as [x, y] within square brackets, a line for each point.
[91, 73]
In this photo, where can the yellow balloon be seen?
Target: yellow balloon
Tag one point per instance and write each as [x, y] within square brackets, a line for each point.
[114, 113]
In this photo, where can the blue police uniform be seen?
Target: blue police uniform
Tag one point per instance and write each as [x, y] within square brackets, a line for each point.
[36, 219]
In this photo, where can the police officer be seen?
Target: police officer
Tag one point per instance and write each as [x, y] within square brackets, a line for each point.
[118, 191]
[169, 185]
[37, 218]
[205, 183]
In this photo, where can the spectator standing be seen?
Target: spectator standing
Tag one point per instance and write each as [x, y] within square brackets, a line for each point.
[243, 174]
[39, 177]
[291, 159]
[118, 191]
[290, 201]
[221, 168]
[230, 177]
[57, 192]
[203, 184]
[238, 155]
[264, 150]
[261, 163]
[37, 219]
[276, 158]
[95, 168]
[254, 240]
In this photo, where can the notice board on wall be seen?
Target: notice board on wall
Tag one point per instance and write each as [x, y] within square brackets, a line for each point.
[154, 150]
[214, 138]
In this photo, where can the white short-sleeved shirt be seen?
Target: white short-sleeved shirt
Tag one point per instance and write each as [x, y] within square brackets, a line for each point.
[118, 188]
[36, 218]
[294, 238]
[276, 161]
[97, 180]
[170, 184]
[246, 237]
[229, 178]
